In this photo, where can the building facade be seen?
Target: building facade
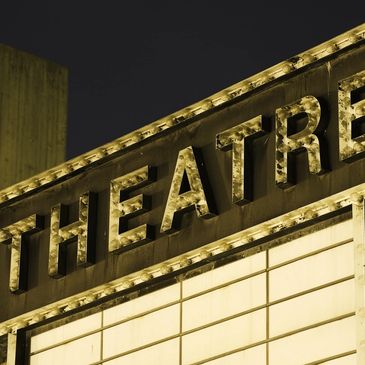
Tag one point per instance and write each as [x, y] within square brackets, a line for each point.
[231, 232]
[33, 115]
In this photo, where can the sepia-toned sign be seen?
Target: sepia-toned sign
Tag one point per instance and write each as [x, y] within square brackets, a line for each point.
[284, 142]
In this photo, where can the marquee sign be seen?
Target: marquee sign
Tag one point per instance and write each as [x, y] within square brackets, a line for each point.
[291, 138]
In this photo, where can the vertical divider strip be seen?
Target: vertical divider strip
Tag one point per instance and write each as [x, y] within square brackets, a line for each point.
[102, 336]
[267, 307]
[358, 219]
[180, 312]
[11, 349]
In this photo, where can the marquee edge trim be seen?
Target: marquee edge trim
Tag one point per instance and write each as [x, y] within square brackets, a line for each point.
[228, 94]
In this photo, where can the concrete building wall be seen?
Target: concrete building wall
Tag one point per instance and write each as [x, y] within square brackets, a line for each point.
[33, 115]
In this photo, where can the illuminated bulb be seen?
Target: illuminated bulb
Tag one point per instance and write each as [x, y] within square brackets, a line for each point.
[207, 104]
[332, 205]
[288, 67]
[180, 118]
[233, 94]
[52, 313]
[309, 214]
[160, 126]
[113, 148]
[83, 162]
[146, 276]
[254, 84]
[308, 58]
[170, 121]
[332, 48]
[356, 198]
[58, 173]
[245, 87]
[20, 324]
[225, 246]
[188, 113]
[73, 305]
[266, 231]
[3, 197]
[227, 94]
[89, 299]
[185, 261]
[266, 78]
[165, 269]
[163, 126]
[152, 131]
[36, 318]
[108, 291]
[279, 227]
[18, 190]
[125, 285]
[204, 254]
[219, 101]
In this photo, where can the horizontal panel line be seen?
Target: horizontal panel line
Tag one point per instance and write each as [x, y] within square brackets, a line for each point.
[334, 357]
[182, 300]
[65, 342]
[227, 353]
[264, 341]
[318, 324]
[243, 348]
[222, 320]
[311, 290]
[248, 311]
[210, 324]
[265, 270]
[137, 349]
[102, 328]
[144, 313]
[214, 288]
[309, 254]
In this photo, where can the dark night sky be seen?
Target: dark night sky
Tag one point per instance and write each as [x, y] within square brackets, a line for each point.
[133, 62]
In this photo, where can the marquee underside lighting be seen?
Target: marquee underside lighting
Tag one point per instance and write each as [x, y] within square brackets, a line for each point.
[308, 214]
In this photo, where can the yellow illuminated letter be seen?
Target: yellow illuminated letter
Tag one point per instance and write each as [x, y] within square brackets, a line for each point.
[14, 235]
[236, 138]
[195, 197]
[305, 139]
[121, 211]
[83, 230]
[350, 110]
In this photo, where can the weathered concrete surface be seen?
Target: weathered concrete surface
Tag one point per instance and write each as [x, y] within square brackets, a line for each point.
[33, 115]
